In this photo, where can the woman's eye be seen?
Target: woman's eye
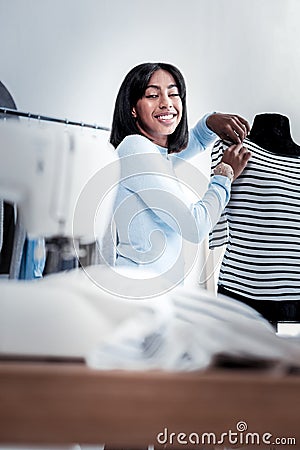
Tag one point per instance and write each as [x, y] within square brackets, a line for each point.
[151, 96]
[174, 94]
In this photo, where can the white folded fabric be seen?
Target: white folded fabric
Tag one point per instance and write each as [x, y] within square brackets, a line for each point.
[81, 313]
[190, 333]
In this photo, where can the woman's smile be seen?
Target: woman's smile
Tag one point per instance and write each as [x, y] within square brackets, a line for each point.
[166, 118]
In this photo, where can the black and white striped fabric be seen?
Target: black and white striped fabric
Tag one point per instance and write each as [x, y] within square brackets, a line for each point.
[261, 227]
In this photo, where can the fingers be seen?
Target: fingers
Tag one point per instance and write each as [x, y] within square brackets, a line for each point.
[229, 127]
[245, 123]
[237, 157]
[237, 151]
[246, 155]
[237, 129]
[233, 150]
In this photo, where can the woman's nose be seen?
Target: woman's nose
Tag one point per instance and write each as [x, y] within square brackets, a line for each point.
[165, 101]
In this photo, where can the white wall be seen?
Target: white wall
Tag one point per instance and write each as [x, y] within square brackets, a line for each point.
[68, 57]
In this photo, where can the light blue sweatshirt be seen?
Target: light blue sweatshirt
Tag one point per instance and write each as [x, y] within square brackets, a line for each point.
[154, 214]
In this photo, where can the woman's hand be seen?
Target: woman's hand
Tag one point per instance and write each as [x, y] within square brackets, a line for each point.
[237, 157]
[229, 127]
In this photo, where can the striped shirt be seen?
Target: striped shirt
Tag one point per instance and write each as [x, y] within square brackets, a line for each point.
[261, 227]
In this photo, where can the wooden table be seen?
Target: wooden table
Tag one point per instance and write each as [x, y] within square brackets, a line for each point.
[55, 403]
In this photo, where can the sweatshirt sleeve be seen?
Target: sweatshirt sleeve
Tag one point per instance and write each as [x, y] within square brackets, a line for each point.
[200, 137]
[147, 174]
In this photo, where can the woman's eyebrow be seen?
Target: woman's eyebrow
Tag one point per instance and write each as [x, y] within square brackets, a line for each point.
[152, 86]
[158, 87]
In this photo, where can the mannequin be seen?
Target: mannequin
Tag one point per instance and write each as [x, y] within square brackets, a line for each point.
[260, 226]
[271, 131]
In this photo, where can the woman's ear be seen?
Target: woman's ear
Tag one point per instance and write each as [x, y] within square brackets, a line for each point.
[133, 113]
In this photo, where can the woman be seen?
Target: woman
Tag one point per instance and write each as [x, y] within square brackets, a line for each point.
[153, 215]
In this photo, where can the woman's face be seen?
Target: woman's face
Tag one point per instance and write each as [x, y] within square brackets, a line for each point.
[159, 111]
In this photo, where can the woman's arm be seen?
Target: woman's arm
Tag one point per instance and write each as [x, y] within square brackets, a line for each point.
[150, 176]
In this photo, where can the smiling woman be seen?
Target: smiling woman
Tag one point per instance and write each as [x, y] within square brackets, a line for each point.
[159, 111]
[153, 215]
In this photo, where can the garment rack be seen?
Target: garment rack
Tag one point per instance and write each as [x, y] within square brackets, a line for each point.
[14, 270]
[15, 112]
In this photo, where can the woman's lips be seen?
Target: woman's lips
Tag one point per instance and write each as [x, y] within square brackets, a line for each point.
[165, 117]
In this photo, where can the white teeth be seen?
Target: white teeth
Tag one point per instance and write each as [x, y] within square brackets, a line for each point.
[166, 117]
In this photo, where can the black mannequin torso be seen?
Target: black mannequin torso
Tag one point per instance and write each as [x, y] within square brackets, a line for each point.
[271, 131]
